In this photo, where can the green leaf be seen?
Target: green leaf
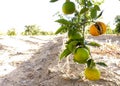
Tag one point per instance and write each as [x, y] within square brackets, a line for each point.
[64, 54]
[93, 13]
[67, 42]
[100, 14]
[72, 45]
[53, 0]
[82, 1]
[89, 3]
[83, 10]
[94, 44]
[60, 30]
[101, 64]
[63, 21]
[90, 63]
[97, 7]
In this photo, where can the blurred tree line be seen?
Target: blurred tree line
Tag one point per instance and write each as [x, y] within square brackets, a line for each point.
[34, 30]
[28, 30]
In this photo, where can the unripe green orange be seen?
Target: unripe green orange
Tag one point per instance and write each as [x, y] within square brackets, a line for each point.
[68, 7]
[81, 55]
[97, 29]
[74, 35]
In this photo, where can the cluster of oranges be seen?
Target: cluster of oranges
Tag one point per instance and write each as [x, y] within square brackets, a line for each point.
[82, 54]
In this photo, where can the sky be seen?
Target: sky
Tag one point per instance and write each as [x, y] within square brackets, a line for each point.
[18, 13]
[111, 9]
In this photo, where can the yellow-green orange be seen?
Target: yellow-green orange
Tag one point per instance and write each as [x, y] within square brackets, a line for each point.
[92, 73]
[97, 29]
[81, 55]
[68, 7]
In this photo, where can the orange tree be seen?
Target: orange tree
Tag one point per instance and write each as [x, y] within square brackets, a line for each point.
[88, 12]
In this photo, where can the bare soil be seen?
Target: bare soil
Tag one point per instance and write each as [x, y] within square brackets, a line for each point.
[33, 61]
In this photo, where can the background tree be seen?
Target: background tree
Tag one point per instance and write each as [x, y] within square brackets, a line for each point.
[35, 30]
[11, 32]
[109, 30]
[117, 22]
[31, 30]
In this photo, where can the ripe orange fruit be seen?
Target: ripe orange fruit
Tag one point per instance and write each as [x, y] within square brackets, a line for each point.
[92, 73]
[68, 7]
[97, 29]
[81, 55]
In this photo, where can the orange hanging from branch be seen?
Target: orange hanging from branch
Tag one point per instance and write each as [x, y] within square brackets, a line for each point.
[68, 7]
[97, 29]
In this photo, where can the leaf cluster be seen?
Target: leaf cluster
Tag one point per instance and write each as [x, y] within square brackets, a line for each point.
[91, 8]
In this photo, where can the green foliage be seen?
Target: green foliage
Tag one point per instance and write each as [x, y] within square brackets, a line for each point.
[98, 2]
[53, 0]
[64, 54]
[65, 25]
[117, 29]
[91, 63]
[72, 45]
[109, 30]
[102, 64]
[64, 21]
[100, 14]
[117, 21]
[45, 33]
[94, 11]
[11, 32]
[83, 10]
[61, 29]
[93, 44]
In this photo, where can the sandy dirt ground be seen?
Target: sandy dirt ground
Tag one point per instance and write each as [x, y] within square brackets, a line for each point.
[33, 61]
